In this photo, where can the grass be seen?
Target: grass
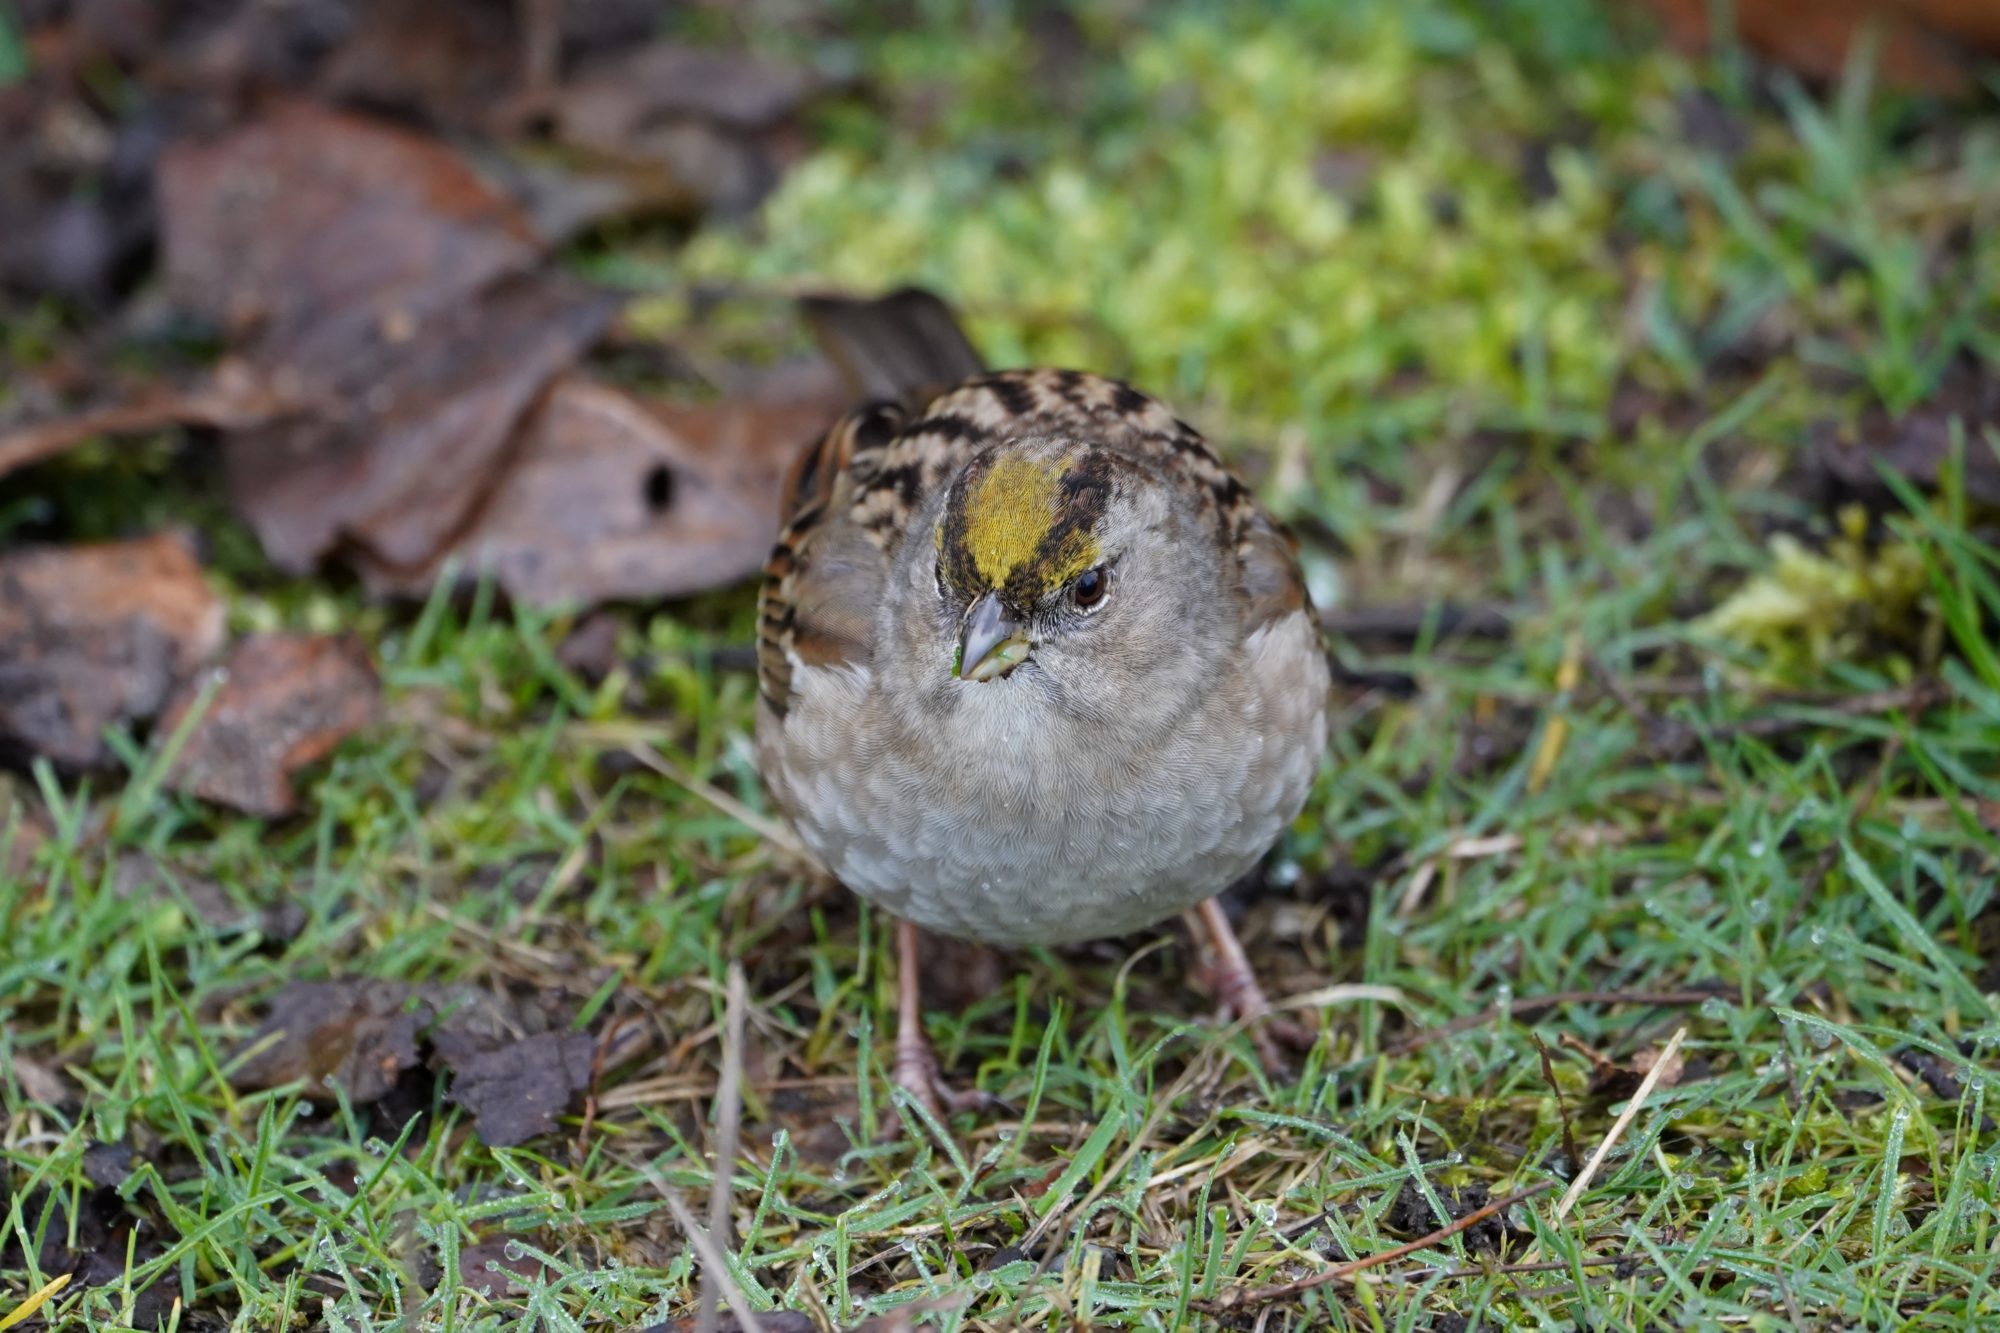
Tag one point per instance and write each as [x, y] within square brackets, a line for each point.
[1516, 344]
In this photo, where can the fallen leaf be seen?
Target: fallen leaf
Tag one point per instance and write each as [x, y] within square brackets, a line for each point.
[613, 498]
[41, 1083]
[98, 636]
[1915, 445]
[1924, 44]
[307, 231]
[359, 1033]
[228, 398]
[516, 1092]
[285, 701]
[447, 62]
[371, 276]
[365, 1033]
[425, 430]
[713, 126]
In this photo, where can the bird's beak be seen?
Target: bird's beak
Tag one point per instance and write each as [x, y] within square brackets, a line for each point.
[992, 643]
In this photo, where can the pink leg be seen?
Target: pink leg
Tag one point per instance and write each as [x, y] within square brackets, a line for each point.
[916, 1062]
[1234, 984]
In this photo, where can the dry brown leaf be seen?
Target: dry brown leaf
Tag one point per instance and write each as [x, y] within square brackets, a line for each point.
[513, 1066]
[612, 498]
[1916, 446]
[307, 231]
[284, 702]
[714, 126]
[231, 397]
[515, 1092]
[422, 430]
[361, 1034]
[98, 636]
[372, 276]
[1924, 43]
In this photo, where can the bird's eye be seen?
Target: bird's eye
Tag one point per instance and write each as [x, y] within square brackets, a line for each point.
[1090, 587]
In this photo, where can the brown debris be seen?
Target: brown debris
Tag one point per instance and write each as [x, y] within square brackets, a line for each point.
[98, 636]
[768, 1321]
[285, 701]
[42, 1083]
[370, 276]
[515, 1093]
[1611, 1081]
[612, 498]
[142, 875]
[1916, 445]
[512, 1066]
[711, 129]
[1925, 44]
[360, 1033]
[1411, 1214]
[231, 397]
[307, 228]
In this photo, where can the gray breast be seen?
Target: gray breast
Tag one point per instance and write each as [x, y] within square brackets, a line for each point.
[1058, 836]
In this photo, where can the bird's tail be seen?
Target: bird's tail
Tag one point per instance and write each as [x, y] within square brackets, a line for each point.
[903, 346]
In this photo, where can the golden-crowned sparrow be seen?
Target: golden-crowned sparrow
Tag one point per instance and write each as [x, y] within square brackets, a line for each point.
[1034, 667]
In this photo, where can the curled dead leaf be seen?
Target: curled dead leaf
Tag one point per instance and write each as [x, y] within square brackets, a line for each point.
[611, 497]
[98, 636]
[284, 702]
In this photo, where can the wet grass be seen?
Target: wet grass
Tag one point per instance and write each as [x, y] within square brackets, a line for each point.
[1508, 311]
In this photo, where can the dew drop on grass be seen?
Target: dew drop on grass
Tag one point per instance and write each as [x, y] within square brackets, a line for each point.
[514, 1250]
[1756, 850]
[1713, 1009]
[1760, 909]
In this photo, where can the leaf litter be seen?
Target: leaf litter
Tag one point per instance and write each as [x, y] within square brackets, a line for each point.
[513, 1065]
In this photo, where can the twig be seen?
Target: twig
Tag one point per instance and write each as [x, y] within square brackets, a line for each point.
[1490, 1270]
[728, 1124]
[1625, 1118]
[713, 1265]
[1562, 1104]
[1341, 1272]
[771, 830]
[1523, 1008]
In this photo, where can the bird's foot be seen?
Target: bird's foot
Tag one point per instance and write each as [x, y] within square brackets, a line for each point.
[917, 1073]
[1225, 972]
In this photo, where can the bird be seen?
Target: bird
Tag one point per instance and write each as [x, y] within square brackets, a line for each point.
[1034, 666]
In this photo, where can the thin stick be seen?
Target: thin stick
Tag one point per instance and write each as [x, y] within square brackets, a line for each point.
[1342, 1272]
[728, 1124]
[1625, 1117]
[713, 1265]
[1535, 1004]
[771, 830]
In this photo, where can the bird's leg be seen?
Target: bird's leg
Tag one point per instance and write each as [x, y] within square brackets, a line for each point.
[1234, 985]
[916, 1062]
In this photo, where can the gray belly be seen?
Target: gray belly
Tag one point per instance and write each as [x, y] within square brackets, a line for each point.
[1058, 837]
